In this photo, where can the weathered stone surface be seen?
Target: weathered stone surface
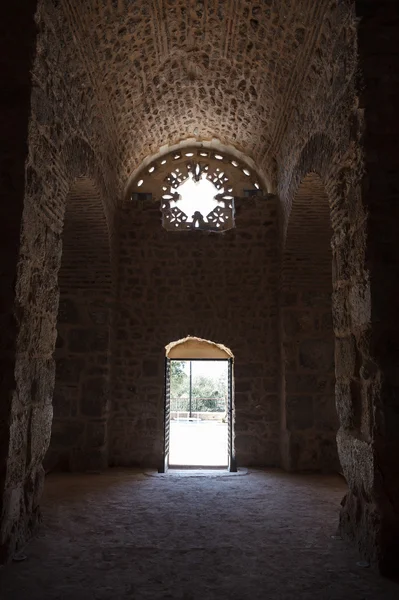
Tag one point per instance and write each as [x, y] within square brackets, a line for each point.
[151, 368]
[70, 369]
[297, 321]
[316, 355]
[70, 432]
[94, 397]
[300, 413]
[325, 413]
[316, 299]
[99, 315]
[88, 459]
[345, 357]
[62, 404]
[96, 434]
[79, 340]
[302, 383]
[68, 311]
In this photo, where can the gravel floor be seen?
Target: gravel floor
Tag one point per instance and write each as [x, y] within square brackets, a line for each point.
[255, 535]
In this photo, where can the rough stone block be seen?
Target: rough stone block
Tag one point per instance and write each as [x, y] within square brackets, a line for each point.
[252, 370]
[246, 444]
[305, 453]
[93, 400]
[98, 314]
[62, 403]
[88, 459]
[325, 413]
[329, 459]
[60, 341]
[297, 322]
[343, 404]
[69, 369]
[96, 434]
[68, 311]
[242, 386]
[307, 383]
[79, 340]
[327, 322]
[340, 311]
[316, 298]
[289, 298]
[317, 355]
[67, 434]
[345, 357]
[360, 304]
[99, 340]
[151, 368]
[271, 407]
[299, 413]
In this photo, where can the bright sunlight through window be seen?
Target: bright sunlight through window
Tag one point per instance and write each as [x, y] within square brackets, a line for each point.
[197, 196]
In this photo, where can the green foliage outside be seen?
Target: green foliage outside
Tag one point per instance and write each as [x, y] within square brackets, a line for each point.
[209, 394]
[177, 375]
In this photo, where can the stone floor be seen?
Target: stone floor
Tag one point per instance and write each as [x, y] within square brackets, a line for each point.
[124, 534]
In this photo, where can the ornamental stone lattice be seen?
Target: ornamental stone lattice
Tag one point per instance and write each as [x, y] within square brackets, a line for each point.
[164, 179]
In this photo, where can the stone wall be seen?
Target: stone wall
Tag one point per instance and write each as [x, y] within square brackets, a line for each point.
[370, 448]
[66, 122]
[221, 287]
[16, 57]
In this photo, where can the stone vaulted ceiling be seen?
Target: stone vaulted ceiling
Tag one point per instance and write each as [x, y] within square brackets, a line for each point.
[175, 69]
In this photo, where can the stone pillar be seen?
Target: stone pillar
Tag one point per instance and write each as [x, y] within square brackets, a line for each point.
[369, 434]
[17, 42]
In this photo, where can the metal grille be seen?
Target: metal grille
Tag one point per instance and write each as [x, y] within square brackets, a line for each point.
[165, 461]
[198, 405]
[232, 459]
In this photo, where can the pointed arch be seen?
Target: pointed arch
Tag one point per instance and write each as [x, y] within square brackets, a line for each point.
[308, 413]
[80, 402]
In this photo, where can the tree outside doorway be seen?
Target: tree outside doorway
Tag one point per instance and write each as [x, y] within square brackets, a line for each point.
[199, 386]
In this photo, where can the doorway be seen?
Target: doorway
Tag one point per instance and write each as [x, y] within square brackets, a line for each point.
[198, 406]
[198, 413]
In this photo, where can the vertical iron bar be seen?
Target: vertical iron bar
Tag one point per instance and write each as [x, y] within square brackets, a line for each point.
[191, 388]
[165, 455]
[232, 458]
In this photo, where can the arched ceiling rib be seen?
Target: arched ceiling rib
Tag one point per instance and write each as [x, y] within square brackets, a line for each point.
[177, 69]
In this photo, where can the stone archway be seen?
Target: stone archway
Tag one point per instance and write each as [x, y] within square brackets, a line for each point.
[309, 418]
[80, 403]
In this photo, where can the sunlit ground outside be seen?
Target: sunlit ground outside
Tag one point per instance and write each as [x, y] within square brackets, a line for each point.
[198, 443]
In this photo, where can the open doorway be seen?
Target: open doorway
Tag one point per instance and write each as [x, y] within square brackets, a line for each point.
[198, 406]
[198, 413]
